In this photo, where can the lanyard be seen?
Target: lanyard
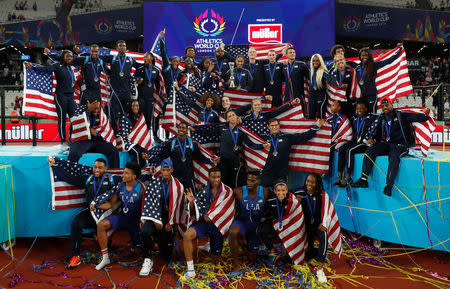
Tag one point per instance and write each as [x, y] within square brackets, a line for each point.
[235, 140]
[272, 72]
[254, 116]
[335, 122]
[206, 119]
[311, 209]
[171, 74]
[388, 126]
[219, 66]
[148, 72]
[251, 68]
[99, 186]
[289, 69]
[182, 147]
[95, 69]
[239, 76]
[280, 213]
[166, 191]
[358, 125]
[275, 143]
[362, 71]
[341, 76]
[128, 194]
[71, 74]
[314, 79]
[122, 64]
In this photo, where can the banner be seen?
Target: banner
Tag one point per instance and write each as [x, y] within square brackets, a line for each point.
[88, 28]
[24, 132]
[206, 25]
[440, 135]
[392, 23]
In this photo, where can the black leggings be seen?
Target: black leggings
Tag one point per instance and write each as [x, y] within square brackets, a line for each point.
[163, 238]
[82, 220]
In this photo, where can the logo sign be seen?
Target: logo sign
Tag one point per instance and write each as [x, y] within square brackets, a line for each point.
[265, 33]
[103, 25]
[352, 23]
[209, 24]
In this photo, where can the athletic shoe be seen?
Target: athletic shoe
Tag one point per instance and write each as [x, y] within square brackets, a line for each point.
[105, 261]
[376, 243]
[205, 248]
[65, 146]
[74, 262]
[361, 183]
[321, 276]
[388, 190]
[147, 267]
[187, 276]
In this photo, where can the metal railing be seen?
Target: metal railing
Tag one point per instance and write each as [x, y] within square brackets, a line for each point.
[4, 117]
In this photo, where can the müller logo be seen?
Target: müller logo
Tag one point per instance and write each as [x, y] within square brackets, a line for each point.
[264, 33]
[209, 26]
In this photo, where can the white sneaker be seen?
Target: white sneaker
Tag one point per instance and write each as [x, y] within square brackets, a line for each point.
[65, 146]
[321, 276]
[205, 248]
[188, 275]
[105, 261]
[377, 243]
[147, 267]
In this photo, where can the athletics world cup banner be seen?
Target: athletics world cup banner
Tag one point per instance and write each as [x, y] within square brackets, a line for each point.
[308, 25]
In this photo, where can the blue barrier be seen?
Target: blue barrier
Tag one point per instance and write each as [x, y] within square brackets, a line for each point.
[394, 219]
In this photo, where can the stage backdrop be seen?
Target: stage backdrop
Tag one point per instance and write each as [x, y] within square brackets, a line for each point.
[364, 21]
[308, 25]
[66, 31]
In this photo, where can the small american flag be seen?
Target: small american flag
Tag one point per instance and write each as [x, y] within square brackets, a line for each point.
[105, 129]
[292, 233]
[331, 222]
[80, 128]
[343, 133]
[137, 134]
[152, 203]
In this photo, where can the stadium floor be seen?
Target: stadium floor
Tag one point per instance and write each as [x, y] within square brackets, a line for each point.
[40, 263]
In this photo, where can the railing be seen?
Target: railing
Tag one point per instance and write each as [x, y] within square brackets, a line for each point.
[4, 117]
[436, 92]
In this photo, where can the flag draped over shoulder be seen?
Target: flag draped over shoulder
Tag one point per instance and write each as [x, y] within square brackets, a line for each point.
[343, 131]
[292, 232]
[152, 203]
[331, 222]
[423, 130]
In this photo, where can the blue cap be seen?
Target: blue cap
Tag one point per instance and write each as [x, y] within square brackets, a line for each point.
[166, 164]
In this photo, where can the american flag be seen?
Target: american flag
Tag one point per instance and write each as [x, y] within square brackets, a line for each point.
[343, 131]
[221, 210]
[207, 136]
[423, 130]
[152, 203]
[64, 195]
[159, 97]
[261, 50]
[138, 134]
[80, 128]
[334, 93]
[241, 98]
[313, 155]
[105, 129]
[254, 158]
[331, 222]
[392, 80]
[39, 93]
[99, 214]
[292, 233]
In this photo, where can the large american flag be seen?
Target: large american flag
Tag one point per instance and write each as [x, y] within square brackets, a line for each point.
[221, 211]
[331, 222]
[292, 233]
[241, 98]
[152, 203]
[80, 128]
[343, 131]
[261, 50]
[423, 129]
[39, 93]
